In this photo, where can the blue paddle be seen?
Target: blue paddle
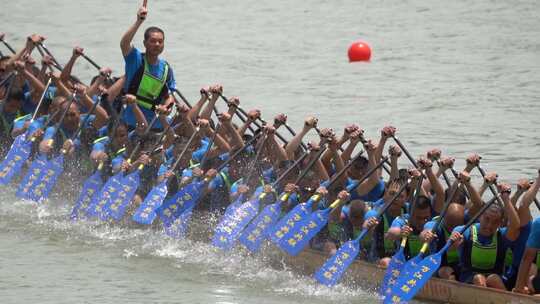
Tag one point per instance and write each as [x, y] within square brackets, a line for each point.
[34, 185]
[91, 187]
[301, 211]
[295, 240]
[257, 231]
[146, 213]
[231, 225]
[130, 183]
[55, 167]
[332, 270]
[114, 192]
[413, 262]
[398, 260]
[409, 285]
[174, 206]
[21, 148]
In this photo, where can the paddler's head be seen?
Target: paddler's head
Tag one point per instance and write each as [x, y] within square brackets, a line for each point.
[454, 216]
[422, 212]
[120, 135]
[357, 210]
[73, 116]
[459, 197]
[491, 220]
[154, 41]
[390, 192]
[358, 168]
[55, 106]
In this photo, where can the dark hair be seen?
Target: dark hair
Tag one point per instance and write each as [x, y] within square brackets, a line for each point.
[16, 94]
[423, 202]
[357, 209]
[497, 209]
[2, 57]
[360, 162]
[459, 197]
[152, 29]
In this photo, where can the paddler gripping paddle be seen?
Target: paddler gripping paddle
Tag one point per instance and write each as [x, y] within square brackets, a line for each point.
[40, 168]
[54, 167]
[408, 286]
[235, 220]
[21, 148]
[94, 183]
[260, 228]
[146, 213]
[174, 206]
[116, 207]
[405, 269]
[303, 231]
[257, 231]
[332, 270]
[113, 190]
[398, 260]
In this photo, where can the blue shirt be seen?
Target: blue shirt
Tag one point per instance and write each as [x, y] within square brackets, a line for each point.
[534, 237]
[518, 248]
[374, 194]
[134, 61]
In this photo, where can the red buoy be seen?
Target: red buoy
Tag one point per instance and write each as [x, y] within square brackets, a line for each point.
[359, 51]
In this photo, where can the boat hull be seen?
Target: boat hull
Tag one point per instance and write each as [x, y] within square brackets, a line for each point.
[369, 275]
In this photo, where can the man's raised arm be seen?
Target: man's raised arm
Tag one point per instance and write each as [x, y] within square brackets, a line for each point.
[125, 43]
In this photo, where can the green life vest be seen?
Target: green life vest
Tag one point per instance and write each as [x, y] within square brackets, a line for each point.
[452, 255]
[8, 125]
[389, 245]
[508, 257]
[483, 257]
[414, 244]
[150, 87]
[226, 179]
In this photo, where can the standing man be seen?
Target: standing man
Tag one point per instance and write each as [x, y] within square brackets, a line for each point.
[148, 77]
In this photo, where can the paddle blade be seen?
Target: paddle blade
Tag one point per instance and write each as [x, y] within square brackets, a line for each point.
[231, 225]
[179, 202]
[288, 222]
[177, 229]
[257, 231]
[408, 286]
[33, 176]
[332, 270]
[98, 203]
[48, 179]
[146, 214]
[15, 159]
[392, 272]
[91, 188]
[119, 203]
[299, 236]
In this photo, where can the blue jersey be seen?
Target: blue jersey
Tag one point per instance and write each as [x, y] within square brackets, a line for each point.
[534, 237]
[134, 61]
[518, 248]
[374, 194]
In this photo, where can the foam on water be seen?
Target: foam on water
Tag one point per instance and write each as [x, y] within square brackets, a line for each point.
[237, 265]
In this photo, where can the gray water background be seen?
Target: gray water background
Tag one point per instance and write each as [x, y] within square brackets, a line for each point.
[459, 75]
